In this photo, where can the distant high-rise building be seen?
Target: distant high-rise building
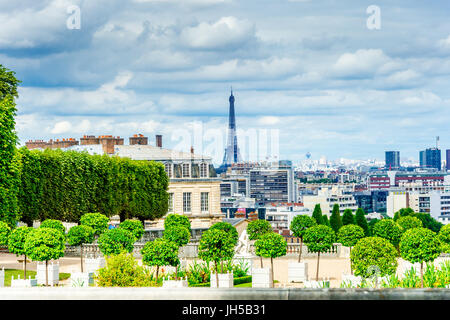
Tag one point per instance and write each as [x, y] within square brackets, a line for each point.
[448, 160]
[431, 158]
[392, 159]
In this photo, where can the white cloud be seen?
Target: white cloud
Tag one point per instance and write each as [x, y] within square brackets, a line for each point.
[61, 127]
[362, 63]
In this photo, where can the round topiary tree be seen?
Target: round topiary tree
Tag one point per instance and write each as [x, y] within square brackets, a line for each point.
[388, 229]
[319, 239]
[360, 220]
[160, 252]
[115, 241]
[420, 245]
[444, 238]
[271, 245]
[97, 221]
[298, 226]
[216, 246]
[409, 222]
[228, 228]
[134, 226]
[335, 218]
[348, 236]
[180, 236]
[373, 252]
[4, 233]
[174, 220]
[16, 244]
[79, 235]
[348, 217]
[45, 244]
[53, 224]
[257, 228]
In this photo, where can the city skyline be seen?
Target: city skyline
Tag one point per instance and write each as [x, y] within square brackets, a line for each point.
[332, 86]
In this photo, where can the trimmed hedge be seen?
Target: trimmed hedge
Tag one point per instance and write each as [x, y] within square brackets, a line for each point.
[236, 281]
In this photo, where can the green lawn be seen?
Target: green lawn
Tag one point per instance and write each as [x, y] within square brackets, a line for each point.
[9, 273]
[244, 285]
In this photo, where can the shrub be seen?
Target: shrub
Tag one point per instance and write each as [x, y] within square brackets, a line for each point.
[420, 245]
[348, 217]
[444, 238]
[4, 233]
[389, 230]
[228, 228]
[115, 241]
[374, 252]
[97, 221]
[16, 243]
[257, 228]
[409, 222]
[122, 270]
[174, 220]
[135, 227]
[53, 224]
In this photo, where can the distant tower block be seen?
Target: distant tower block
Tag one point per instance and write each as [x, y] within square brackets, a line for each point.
[232, 153]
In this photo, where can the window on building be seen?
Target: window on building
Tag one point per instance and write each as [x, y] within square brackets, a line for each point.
[186, 202]
[203, 170]
[168, 168]
[186, 173]
[170, 202]
[205, 201]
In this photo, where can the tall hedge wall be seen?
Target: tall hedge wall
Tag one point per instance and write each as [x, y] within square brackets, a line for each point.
[64, 185]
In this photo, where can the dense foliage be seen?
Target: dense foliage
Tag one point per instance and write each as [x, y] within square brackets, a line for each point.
[16, 240]
[374, 255]
[97, 221]
[79, 235]
[179, 235]
[300, 224]
[319, 238]
[335, 218]
[134, 226]
[271, 245]
[257, 228]
[444, 238]
[348, 217]
[123, 270]
[175, 220]
[420, 245]
[409, 222]
[317, 214]
[45, 244]
[427, 221]
[228, 228]
[4, 233]
[160, 252]
[64, 185]
[115, 241]
[53, 224]
[388, 229]
[350, 234]
[360, 220]
[215, 246]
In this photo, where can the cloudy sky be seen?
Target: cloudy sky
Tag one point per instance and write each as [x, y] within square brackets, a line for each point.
[307, 73]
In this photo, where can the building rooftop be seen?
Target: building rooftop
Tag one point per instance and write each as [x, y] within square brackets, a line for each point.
[148, 152]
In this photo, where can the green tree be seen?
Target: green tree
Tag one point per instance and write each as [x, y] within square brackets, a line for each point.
[256, 229]
[79, 235]
[317, 214]
[348, 217]
[298, 226]
[160, 252]
[420, 245]
[335, 218]
[374, 253]
[403, 212]
[349, 236]
[45, 244]
[180, 236]
[175, 220]
[53, 224]
[97, 221]
[216, 246]
[123, 270]
[115, 241]
[228, 228]
[388, 229]
[370, 225]
[134, 226]
[5, 230]
[271, 245]
[409, 222]
[319, 239]
[16, 244]
[360, 220]
[444, 238]
[325, 221]
[8, 83]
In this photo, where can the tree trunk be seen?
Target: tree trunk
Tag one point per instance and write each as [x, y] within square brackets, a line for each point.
[46, 273]
[157, 272]
[421, 274]
[81, 255]
[261, 262]
[217, 275]
[271, 263]
[317, 272]
[25, 267]
[176, 272]
[300, 253]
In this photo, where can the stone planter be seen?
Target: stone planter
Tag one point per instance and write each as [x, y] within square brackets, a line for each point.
[226, 280]
[2, 278]
[93, 264]
[297, 271]
[317, 284]
[175, 284]
[23, 283]
[81, 279]
[53, 273]
[262, 278]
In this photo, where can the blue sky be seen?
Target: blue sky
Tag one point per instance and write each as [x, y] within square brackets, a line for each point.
[310, 69]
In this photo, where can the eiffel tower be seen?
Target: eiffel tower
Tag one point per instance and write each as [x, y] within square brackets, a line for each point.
[232, 153]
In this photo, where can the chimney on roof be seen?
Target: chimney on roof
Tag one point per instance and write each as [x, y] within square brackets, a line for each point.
[192, 150]
[159, 141]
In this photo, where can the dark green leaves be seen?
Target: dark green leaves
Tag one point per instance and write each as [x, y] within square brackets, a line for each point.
[116, 241]
[271, 245]
[319, 238]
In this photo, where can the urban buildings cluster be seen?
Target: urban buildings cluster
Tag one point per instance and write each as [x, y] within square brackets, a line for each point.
[278, 191]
